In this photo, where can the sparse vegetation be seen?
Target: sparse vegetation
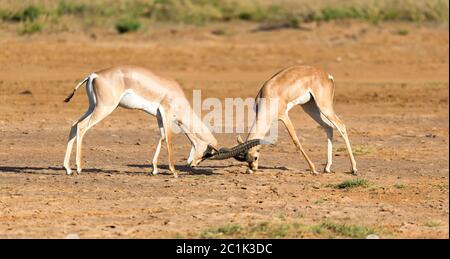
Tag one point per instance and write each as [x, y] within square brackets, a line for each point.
[403, 32]
[432, 223]
[288, 230]
[27, 14]
[350, 184]
[127, 25]
[29, 28]
[358, 149]
[220, 232]
[69, 7]
[219, 32]
[271, 15]
[399, 186]
[342, 230]
[362, 150]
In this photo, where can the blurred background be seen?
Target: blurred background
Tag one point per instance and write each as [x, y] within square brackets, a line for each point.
[33, 16]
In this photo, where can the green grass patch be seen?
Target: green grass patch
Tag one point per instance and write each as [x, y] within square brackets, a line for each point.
[399, 186]
[350, 184]
[342, 230]
[221, 232]
[362, 150]
[432, 223]
[441, 186]
[70, 8]
[402, 32]
[262, 229]
[29, 28]
[127, 25]
[27, 14]
[288, 230]
[203, 11]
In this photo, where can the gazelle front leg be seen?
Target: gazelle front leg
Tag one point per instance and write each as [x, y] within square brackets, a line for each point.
[329, 132]
[158, 147]
[287, 122]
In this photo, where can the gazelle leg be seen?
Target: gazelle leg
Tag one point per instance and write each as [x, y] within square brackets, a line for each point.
[83, 126]
[170, 150]
[168, 132]
[71, 140]
[287, 122]
[329, 132]
[343, 131]
[158, 147]
[312, 110]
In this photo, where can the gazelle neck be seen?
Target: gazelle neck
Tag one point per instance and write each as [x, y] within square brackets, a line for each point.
[196, 130]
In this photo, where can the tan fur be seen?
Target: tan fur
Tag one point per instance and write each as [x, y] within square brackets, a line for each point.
[288, 85]
[108, 89]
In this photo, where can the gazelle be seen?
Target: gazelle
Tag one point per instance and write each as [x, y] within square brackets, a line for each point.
[308, 87]
[137, 88]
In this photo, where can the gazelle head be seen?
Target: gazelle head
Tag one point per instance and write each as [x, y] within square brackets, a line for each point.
[199, 152]
[251, 156]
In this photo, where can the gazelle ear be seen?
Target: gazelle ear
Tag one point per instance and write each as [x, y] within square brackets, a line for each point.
[239, 139]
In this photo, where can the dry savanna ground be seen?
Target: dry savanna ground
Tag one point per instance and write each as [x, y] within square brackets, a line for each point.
[391, 91]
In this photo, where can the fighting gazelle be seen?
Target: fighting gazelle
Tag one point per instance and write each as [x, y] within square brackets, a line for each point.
[137, 88]
[308, 87]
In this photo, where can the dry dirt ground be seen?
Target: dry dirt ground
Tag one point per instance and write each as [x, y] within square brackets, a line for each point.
[391, 91]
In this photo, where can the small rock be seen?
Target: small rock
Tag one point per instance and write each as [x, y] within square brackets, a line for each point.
[26, 92]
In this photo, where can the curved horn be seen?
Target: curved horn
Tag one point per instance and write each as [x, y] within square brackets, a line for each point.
[225, 153]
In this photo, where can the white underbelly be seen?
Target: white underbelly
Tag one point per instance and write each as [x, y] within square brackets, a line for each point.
[299, 101]
[131, 100]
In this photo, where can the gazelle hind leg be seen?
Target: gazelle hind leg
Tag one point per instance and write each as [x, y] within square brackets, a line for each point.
[71, 140]
[158, 147]
[168, 133]
[83, 126]
[312, 110]
[74, 129]
[287, 122]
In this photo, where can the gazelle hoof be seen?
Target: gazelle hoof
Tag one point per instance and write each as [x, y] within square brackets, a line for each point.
[354, 172]
[249, 171]
[154, 172]
[327, 171]
[68, 171]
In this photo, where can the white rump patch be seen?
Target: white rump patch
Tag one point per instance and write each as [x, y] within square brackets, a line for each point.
[330, 77]
[300, 100]
[131, 100]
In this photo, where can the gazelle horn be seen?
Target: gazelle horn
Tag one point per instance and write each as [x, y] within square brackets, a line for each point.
[225, 153]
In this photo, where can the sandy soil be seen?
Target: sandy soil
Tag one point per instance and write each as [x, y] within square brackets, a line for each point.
[392, 92]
